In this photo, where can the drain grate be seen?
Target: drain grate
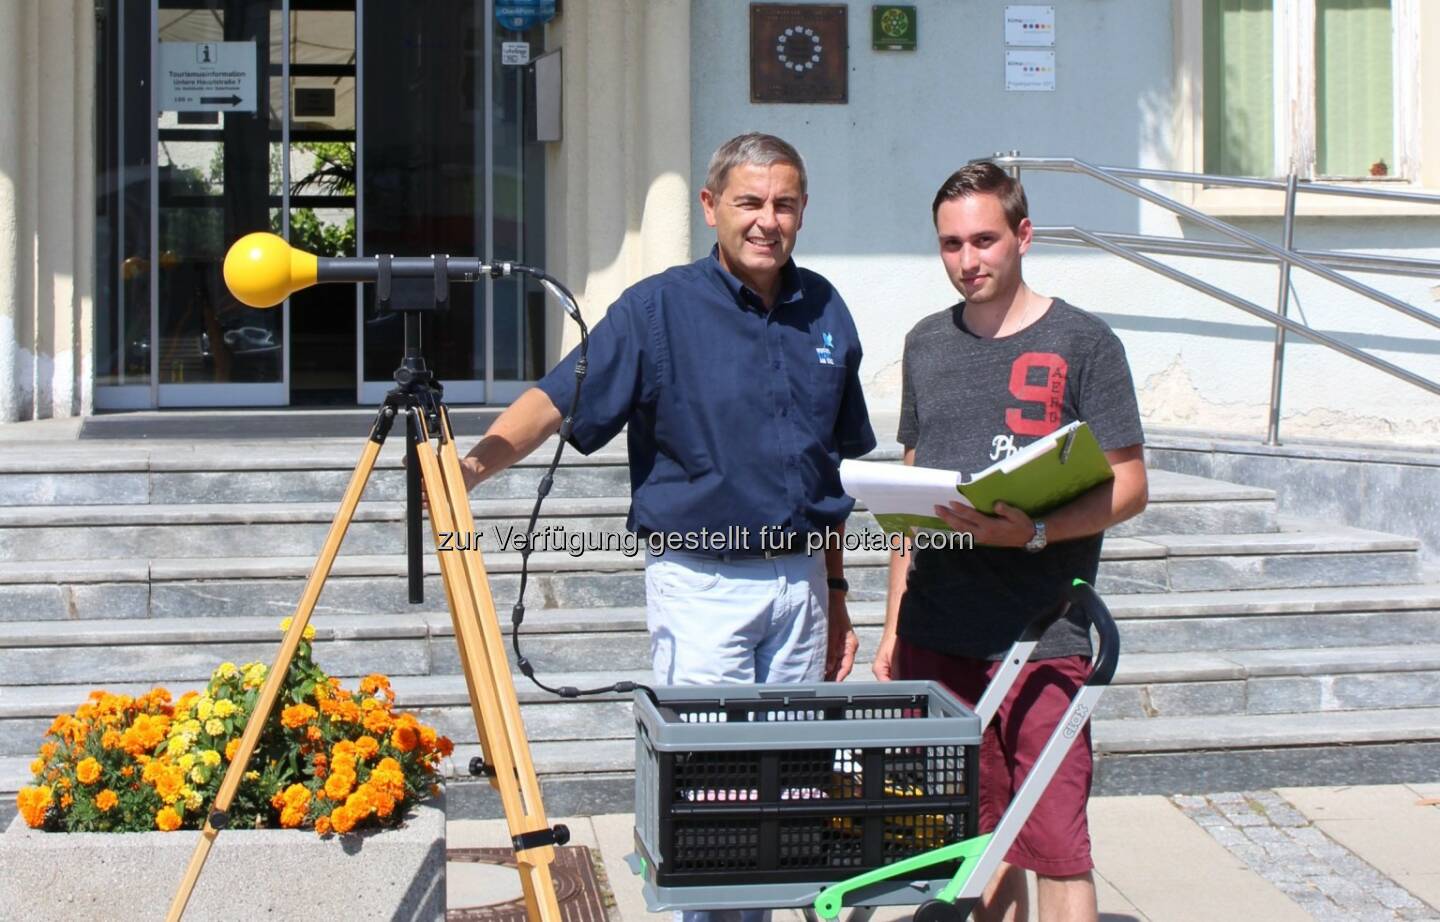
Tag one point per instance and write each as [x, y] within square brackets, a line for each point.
[576, 888]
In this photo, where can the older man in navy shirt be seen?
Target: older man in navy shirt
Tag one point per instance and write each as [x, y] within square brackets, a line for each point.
[737, 380]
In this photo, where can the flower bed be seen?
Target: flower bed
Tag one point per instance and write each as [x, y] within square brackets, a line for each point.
[340, 763]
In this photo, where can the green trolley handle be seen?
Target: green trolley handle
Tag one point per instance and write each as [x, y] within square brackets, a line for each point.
[832, 899]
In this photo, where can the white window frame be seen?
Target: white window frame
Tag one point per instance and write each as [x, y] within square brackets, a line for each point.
[1416, 27]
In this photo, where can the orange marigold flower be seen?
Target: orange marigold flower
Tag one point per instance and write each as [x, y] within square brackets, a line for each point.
[313, 734]
[297, 715]
[384, 803]
[444, 746]
[34, 803]
[66, 801]
[343, 748]
[167, 820]
[322, 825]
[377, 721]
[405, 738]
[106, 800]
[37, 766]
[291, 818]
[47, 751]
[231, 748]
[359, 802]
[88, 771]
[322, 765]
[366, 747]
[338, 785]
[342, 820]
[373, 683]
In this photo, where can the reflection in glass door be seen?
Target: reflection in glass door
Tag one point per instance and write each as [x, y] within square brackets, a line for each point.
[349, 127]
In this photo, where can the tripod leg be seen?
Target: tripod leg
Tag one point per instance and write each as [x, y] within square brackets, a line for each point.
[276, 678]
[488, 672]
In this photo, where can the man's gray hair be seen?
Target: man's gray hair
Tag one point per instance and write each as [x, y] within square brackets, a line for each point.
[752, 147]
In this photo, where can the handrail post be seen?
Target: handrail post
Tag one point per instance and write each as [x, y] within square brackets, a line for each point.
[1282, 308]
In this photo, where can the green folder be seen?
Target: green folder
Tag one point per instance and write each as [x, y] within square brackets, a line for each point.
[1042, 476]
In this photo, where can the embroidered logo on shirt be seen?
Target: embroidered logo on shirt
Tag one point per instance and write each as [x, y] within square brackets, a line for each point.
[1003, 446]
[825, 352]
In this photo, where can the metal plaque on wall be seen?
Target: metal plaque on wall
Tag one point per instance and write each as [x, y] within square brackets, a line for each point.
[798, 52]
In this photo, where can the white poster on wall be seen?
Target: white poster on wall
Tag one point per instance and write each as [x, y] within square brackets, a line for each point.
[206, 76]
[1030, 25]
[1030, 70]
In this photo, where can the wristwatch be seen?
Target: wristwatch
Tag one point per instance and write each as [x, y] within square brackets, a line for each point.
[1037, 541]
[838, 584]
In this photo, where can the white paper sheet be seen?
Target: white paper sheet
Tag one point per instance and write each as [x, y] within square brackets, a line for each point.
[899, 488]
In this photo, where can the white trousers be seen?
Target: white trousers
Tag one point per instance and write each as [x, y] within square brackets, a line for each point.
[726, 622]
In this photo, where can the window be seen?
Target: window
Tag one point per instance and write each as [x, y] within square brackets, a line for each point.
[1307, 86]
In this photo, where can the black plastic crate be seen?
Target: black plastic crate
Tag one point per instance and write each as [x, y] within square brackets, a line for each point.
[745, 785]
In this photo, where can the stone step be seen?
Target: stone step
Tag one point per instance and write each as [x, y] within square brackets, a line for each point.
[110, 650]
[263, 472]
[200, 530]
[1147, 686]
[185, 587]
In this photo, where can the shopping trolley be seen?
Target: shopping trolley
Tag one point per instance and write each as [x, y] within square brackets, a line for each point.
[831, 796]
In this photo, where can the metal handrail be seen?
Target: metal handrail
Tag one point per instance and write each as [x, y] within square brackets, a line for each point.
[1248, 248]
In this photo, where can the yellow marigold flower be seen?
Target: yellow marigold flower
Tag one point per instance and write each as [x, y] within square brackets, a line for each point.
[178, 746]
[210, 757]
[252, 776]
[88, 771]
[226, 670]
[224, 707]
[205, 708]
[309, 632]
[106, 800]
[370, 704]
[359, 802]
[193, 799]
[167, 820]
[199, 774]
[37, 766]
[215, 726]
[366, 747]
[297, 715]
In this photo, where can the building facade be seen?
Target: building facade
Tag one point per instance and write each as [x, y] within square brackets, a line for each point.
[365, 126]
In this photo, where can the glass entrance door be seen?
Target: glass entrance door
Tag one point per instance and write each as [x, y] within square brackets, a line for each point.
[347, 126]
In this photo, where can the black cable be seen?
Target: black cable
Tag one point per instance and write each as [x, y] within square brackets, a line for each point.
[547, 481]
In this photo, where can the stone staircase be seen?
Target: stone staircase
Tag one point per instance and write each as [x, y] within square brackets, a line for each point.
[1258, 649]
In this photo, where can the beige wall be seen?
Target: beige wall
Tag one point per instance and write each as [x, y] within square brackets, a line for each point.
[46, 194]
[618, 188]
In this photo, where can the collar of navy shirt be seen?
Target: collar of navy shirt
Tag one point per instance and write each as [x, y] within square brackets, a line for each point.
[791, 288]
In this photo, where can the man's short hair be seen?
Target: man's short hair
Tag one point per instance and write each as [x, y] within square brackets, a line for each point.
[983, 177]
[752, 147]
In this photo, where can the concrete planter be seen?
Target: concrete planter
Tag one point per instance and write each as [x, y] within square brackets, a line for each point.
[397, 874]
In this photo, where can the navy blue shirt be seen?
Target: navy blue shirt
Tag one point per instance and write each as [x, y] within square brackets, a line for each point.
[738, 417]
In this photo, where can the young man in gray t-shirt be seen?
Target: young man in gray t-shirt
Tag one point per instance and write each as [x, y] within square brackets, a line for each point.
[982, 379]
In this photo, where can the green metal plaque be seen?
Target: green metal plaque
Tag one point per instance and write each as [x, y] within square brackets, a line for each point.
[893, 28]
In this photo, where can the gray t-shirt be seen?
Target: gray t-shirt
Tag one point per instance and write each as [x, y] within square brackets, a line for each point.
[969, 401]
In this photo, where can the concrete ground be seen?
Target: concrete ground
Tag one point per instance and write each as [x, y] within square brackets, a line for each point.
[1347, 853]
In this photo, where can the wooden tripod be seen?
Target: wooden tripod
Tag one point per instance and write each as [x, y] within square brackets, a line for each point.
[477, 633]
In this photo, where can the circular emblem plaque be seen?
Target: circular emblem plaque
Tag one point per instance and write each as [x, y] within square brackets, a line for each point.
[799, 49]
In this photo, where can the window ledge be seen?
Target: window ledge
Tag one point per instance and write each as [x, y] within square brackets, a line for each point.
[1263, 203]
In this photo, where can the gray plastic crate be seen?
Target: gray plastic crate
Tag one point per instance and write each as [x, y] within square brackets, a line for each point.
[757, 796]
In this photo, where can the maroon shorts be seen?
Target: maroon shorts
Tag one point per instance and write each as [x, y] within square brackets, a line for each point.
[1055, 841]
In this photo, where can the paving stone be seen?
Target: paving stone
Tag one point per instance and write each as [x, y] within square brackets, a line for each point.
[1393, 897]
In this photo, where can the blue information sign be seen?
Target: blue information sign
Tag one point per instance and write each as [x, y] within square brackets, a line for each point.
[519, 15]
